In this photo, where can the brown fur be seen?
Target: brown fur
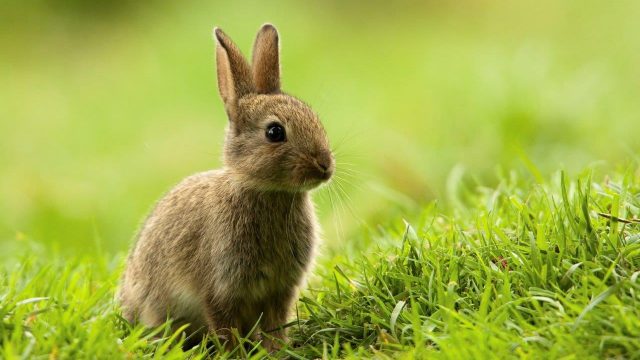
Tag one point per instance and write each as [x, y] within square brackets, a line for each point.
[227, 247]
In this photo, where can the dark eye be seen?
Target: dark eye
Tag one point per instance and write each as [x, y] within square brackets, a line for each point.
[275, 133]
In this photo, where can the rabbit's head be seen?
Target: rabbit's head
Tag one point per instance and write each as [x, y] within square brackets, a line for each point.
[274, 141]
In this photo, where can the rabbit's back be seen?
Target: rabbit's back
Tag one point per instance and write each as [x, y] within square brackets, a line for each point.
[156, 276]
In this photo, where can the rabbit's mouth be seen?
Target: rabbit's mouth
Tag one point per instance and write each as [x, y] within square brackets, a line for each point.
[314, 176]
[320, 170]
[321, 174]
[310, 172]
[309, 185]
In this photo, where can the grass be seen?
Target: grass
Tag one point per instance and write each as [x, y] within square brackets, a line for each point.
[530, 268]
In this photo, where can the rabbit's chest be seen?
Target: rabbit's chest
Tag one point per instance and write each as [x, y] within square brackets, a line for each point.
[263, 246]
[271, 256]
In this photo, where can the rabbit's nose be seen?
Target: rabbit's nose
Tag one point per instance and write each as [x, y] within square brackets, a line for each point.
[324, 163]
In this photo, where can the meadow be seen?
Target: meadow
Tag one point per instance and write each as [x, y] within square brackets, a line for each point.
[486, 199]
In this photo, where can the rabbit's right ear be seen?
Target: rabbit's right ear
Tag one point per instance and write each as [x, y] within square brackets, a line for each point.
[234, 73]
[266, 60]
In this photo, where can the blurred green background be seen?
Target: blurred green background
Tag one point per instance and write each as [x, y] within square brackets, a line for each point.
[106, 105]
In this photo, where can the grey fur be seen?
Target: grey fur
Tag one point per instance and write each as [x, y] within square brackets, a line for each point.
[227, 247]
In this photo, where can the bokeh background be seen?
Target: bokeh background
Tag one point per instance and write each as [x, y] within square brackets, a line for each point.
[104, 105]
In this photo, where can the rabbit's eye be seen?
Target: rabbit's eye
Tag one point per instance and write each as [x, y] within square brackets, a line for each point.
[275, 133]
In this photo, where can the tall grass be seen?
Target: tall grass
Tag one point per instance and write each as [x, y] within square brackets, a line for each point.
[525, 269]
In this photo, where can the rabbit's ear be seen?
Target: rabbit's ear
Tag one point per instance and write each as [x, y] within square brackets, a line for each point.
[234, 74]
[266, 60]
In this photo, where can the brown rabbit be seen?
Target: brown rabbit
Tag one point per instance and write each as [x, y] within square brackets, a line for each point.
[226, 248]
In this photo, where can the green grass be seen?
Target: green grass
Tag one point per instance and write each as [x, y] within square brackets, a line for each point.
[530, 268]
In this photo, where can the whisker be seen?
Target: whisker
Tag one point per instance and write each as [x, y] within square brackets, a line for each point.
[347, 155]
[289, 225]
[336, 219]
[347, 165]
[344, 166]
[354, 185]
[347, 137]
[351, 173]
[348, 202]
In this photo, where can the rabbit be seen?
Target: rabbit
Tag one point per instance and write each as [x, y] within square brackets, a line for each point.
[228, 248]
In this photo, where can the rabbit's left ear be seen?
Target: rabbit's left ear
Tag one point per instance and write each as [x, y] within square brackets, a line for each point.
[266, 60]
[234, 73]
